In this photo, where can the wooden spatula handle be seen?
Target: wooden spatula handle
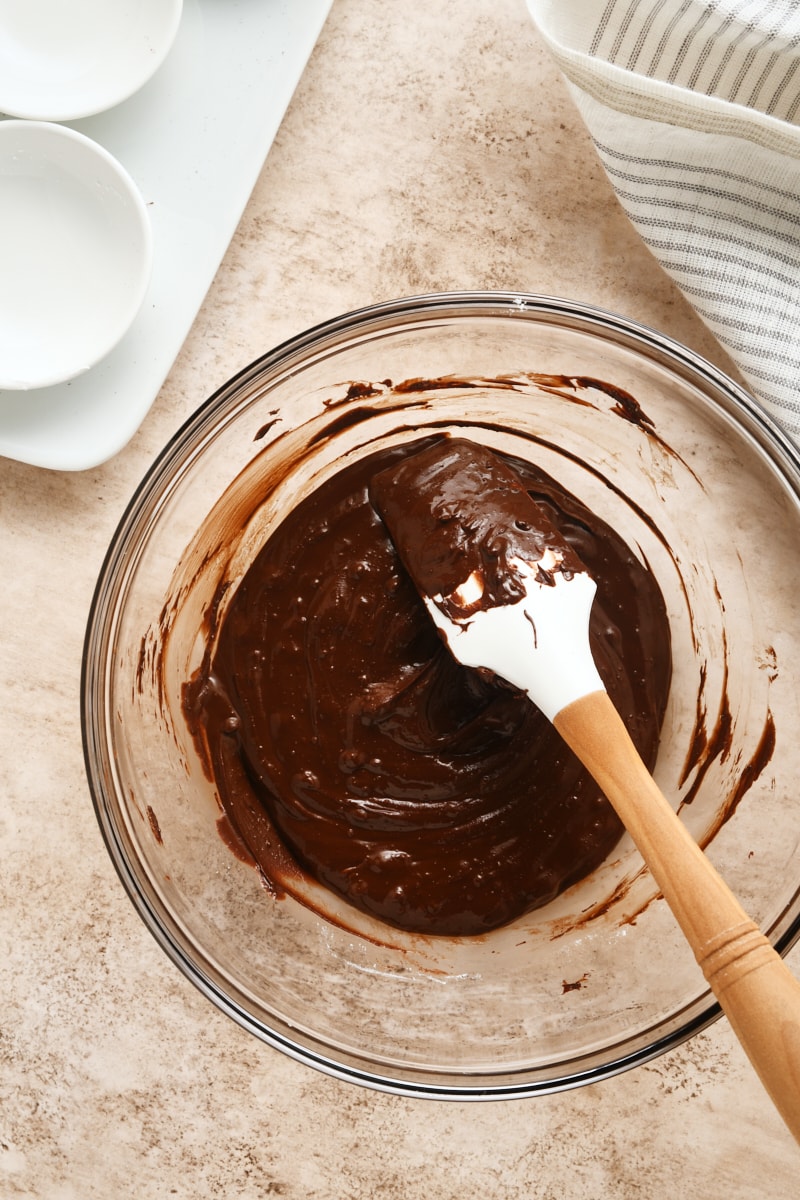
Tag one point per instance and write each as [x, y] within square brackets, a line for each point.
[752, 983]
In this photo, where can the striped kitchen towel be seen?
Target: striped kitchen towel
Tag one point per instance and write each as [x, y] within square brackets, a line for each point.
[694, 108]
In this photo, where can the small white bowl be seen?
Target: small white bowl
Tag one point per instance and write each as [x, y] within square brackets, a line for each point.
[75, 253]
[64, 59]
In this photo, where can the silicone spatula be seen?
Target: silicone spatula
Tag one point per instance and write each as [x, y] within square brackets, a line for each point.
[510, 596]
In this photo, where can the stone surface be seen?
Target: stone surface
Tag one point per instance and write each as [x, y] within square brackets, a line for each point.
[428, 147]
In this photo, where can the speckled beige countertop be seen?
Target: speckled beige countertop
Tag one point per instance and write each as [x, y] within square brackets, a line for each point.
[429, 146]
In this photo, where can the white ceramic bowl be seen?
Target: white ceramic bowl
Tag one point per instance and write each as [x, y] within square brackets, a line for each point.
[76, 253]
[64, 59]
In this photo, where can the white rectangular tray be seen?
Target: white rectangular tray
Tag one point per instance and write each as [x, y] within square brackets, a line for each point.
[194, 139]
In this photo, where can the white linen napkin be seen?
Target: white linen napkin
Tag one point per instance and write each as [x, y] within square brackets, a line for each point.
[694, 108]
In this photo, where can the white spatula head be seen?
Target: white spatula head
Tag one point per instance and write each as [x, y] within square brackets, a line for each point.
[502, 585]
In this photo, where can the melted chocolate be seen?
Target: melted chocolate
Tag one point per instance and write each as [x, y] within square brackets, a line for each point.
[339, 729]
[457, 512]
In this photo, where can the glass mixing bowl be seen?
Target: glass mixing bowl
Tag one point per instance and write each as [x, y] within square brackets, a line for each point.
[701, 484]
